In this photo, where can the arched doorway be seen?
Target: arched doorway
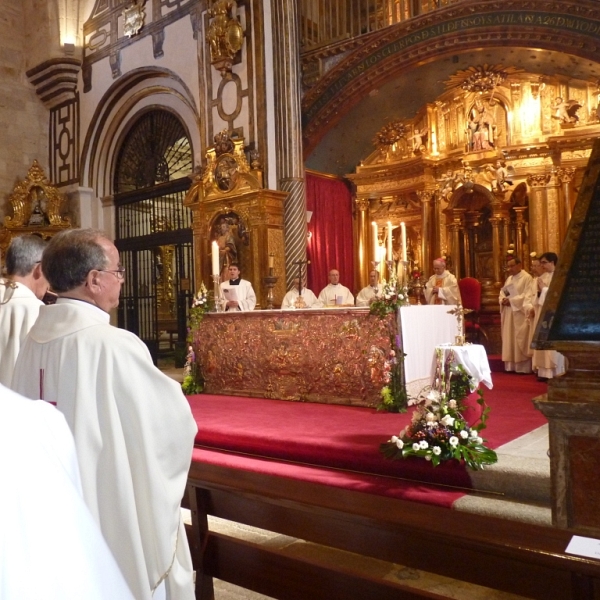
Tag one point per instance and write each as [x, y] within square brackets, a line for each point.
[153, 230]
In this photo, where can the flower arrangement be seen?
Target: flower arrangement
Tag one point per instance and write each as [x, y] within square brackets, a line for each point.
[438, 431]
[203, 302]
[389, 370]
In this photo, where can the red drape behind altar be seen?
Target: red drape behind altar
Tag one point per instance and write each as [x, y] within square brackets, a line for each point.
[332, 242]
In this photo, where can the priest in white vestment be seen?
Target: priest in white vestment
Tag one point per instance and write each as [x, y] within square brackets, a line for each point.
[20, 298]
[336, 294]
[51, 548]
[133, 427]
[546, 363]
[368, 294]
[442, 287]
[238, 294]
[307, 298]
[515, 298]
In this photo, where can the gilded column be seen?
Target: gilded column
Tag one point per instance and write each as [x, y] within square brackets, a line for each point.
[520, 210]
[288, 129]
[495, 222]
[553, 214]
[565, 176]
[455, 228]
[426, 242]
[362, 239]
[537, 211]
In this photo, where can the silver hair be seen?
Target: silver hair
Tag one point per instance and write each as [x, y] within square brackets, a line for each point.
[23, 254]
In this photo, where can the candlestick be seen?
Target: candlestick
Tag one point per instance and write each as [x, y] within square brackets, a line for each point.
[390, 255]
[217, 293]
[215, 258]
[375, 243]
[403, 237]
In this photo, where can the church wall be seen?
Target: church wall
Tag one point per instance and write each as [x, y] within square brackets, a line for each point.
[23, 118]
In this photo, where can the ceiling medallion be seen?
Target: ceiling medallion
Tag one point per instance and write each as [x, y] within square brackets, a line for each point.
[133, 19]
[482, 78]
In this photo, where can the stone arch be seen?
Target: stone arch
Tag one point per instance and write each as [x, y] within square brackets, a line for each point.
[131, 95]
[572, 26]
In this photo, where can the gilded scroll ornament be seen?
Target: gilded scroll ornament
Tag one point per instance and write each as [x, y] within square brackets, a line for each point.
[35, 202]
[225, 35]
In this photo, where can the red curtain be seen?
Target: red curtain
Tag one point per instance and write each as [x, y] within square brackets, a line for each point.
[331, 238]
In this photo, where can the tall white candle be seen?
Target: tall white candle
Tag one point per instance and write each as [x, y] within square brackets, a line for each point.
[403, 235]
[375, 243]
[215, 258]
[390, 255]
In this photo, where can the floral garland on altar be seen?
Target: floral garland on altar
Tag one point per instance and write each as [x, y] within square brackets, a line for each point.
[438, 431]
[203, 302]
[391, 373]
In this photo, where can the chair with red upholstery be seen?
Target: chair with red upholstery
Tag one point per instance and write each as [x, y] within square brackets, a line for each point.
[470, 292]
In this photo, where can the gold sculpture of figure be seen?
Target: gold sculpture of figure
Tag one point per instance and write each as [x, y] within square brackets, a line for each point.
[227, 249]
[225, 35]
[565, 112]
[459, 311]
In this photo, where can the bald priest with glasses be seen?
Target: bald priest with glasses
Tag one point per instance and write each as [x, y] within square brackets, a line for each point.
[133, 427]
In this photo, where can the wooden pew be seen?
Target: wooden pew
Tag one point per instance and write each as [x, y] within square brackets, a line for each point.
[514, 557]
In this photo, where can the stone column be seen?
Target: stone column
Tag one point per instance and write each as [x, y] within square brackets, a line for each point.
[565, 176]
[288, 129]
[362, 242]
[425, 197]
[537, 212]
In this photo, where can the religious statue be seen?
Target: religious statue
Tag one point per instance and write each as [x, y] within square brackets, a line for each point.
[419, 139]
[481, 127]
[227, 248]
[225, 35]
[448, 183]
[500, 174]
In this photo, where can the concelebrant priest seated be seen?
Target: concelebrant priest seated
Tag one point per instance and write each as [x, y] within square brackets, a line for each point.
[335, 294]
[369, 294]
[300, 298]
[442, 287]
[237, 293]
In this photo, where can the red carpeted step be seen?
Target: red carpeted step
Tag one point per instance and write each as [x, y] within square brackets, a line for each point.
[496, 363]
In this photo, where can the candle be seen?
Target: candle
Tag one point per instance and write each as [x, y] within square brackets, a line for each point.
[375, 243]
[271, 261]
[403, 232]
[390, 256]
[215, 258]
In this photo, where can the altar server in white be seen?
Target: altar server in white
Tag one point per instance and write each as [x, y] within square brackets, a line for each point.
[132, 425]
[335, 293]
[369, 294]
[308, 299]
[515, 300]
[442, 287]
[20, 298]
[547, 363]
[51, 547]
[238, 294]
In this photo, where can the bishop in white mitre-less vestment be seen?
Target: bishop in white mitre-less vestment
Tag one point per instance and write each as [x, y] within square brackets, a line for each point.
[515, 323]
[19, 310]
[134, 435]
[52, 548]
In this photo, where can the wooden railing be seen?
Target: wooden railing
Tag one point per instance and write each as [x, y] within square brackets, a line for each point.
[325, 22]
[528, 560]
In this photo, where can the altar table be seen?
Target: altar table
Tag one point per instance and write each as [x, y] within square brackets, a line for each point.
[329, 355]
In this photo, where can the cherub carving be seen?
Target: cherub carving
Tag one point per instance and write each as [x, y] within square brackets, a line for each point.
[501, 174]
[565, 112]
[419, 139]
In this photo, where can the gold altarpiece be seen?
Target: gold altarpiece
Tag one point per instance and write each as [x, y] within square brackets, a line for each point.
[490, 167]
[36, 207]
[231, 206]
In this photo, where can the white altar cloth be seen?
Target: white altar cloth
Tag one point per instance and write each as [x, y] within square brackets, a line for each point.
[423, 328]
[473, 358]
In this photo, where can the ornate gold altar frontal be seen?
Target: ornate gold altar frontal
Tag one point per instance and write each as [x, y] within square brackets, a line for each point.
[36, 206]
[329, 356]
[228, 200]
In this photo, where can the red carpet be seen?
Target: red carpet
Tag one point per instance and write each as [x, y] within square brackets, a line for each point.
[320, 439]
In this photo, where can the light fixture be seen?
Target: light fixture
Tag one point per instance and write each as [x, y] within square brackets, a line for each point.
[537, 87]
